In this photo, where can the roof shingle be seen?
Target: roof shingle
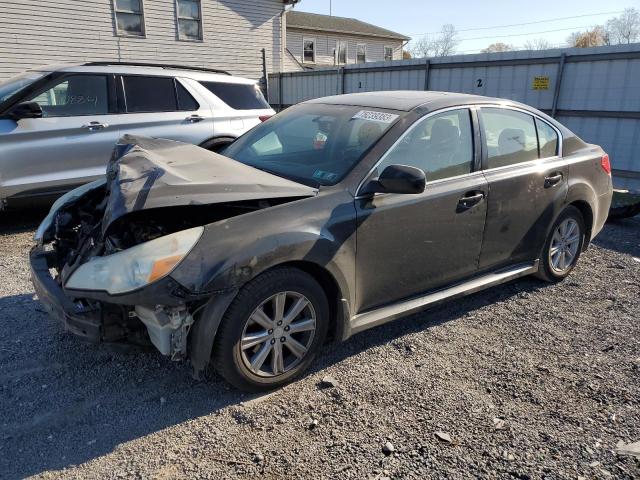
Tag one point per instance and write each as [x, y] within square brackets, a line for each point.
[329, 23]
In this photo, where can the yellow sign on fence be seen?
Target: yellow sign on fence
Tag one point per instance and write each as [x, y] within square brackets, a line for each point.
[541, 83]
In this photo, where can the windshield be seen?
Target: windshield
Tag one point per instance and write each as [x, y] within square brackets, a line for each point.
[314, 144]
[12, 86]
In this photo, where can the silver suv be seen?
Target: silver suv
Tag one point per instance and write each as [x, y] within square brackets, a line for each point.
[58, 125]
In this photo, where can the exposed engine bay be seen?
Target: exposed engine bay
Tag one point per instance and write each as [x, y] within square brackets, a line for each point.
[156, 193]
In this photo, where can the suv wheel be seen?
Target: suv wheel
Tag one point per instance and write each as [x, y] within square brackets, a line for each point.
[272, 330]
[217, 144]
[563, 247]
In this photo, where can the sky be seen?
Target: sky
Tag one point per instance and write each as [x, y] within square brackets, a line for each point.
[486, 19]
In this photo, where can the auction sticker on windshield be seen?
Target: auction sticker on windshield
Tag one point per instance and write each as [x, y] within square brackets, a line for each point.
[381, 117]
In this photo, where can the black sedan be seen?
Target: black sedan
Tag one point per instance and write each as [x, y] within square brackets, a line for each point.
[335, 216]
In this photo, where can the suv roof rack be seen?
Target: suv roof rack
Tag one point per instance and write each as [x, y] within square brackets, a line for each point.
[158, 65]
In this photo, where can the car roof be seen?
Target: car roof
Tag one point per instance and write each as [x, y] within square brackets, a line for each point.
[407, 100]
[155, 70]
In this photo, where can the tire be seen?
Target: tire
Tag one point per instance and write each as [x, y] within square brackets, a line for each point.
[553, 268]
[259, 299]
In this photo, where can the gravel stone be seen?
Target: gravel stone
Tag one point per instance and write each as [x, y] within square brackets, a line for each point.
[530, 353]
[388, 448]
[328, 382]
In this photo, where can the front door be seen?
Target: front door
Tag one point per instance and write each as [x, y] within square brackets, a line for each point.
[409, 244]
[527, 183]
[70, 145]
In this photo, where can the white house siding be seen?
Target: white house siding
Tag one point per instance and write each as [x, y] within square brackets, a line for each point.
[326, 43]
[40, 32]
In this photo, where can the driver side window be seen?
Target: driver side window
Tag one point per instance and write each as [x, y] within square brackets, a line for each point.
[441, 146]
[75, 95]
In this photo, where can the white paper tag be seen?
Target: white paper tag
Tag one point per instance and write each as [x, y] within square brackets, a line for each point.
[381, 117]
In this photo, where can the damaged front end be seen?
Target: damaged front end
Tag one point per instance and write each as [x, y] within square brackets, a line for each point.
[106, 252]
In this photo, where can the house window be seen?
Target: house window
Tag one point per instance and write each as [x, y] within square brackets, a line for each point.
[341, 52]
[189, 19]
[309, 50]
[361, 56]
[129, 17]
[388, 54]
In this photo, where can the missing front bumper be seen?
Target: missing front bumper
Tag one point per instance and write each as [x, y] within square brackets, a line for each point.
[85, 322]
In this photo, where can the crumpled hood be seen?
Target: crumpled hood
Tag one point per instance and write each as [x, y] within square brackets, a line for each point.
[146, 173]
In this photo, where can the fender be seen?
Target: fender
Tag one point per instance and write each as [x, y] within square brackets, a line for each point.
[232, 252]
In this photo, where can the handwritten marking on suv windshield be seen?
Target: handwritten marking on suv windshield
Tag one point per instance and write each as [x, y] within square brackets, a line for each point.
[381, 117]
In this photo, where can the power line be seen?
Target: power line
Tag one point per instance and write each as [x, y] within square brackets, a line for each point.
[516, 49]
[522, 34]
[527, 23]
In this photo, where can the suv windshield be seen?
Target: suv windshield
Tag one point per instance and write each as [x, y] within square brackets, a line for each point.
[15, 84]
[314, 144]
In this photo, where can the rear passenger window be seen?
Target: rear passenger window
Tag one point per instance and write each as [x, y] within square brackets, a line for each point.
[548, 139]
[150, 94]
[185, 101]
[441, 146]
[240, 96]
[510, 136]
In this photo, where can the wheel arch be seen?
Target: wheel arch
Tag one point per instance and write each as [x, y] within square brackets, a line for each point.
[582, 196]
[587, 216]
[338, 308]
[205, 329]
[212, 142]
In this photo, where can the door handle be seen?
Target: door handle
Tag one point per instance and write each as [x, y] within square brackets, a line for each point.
[93, 126]
[469, 200]
[552, 180]
[194, 118]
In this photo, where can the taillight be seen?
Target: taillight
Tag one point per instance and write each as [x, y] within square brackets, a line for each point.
[606, 164]
[264, 118]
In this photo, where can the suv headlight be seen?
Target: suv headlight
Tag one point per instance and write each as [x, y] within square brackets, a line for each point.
[137, 266]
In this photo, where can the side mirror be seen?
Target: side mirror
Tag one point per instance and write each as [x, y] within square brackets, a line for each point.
[398, 179]
[25, 110]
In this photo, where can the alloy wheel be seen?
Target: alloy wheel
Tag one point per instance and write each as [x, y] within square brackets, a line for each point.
[278, 334]
[564, 246]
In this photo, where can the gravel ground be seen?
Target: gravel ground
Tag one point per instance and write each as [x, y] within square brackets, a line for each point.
[526, 380]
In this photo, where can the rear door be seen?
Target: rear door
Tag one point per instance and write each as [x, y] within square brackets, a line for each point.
[163, 107]
[409, 244]
[527, 184]
[70, 145]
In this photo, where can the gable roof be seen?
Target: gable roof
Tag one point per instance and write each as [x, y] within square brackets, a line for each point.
[314, 21]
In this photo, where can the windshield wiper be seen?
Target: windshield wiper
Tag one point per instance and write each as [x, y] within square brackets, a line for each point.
[293, 178]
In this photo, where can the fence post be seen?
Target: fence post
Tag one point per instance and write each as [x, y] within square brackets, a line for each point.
[342, 80]
[280, 89]
[427, 68]
[556, 93]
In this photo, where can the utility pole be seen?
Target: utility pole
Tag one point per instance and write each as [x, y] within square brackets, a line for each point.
[330, 8]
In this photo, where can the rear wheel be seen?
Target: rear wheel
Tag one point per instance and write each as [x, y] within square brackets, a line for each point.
[272, 330]
[563, 247]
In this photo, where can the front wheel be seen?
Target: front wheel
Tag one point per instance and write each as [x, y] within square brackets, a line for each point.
[272, 330]
[563, 247]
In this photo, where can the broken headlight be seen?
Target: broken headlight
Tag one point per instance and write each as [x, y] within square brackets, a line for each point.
[137, 266]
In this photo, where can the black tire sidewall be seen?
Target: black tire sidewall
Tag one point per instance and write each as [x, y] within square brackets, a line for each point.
[547, 272]
[226, 354]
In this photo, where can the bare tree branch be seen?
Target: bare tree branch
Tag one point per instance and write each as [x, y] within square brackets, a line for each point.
[537, 44]
[625, 28]
[441, 45]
